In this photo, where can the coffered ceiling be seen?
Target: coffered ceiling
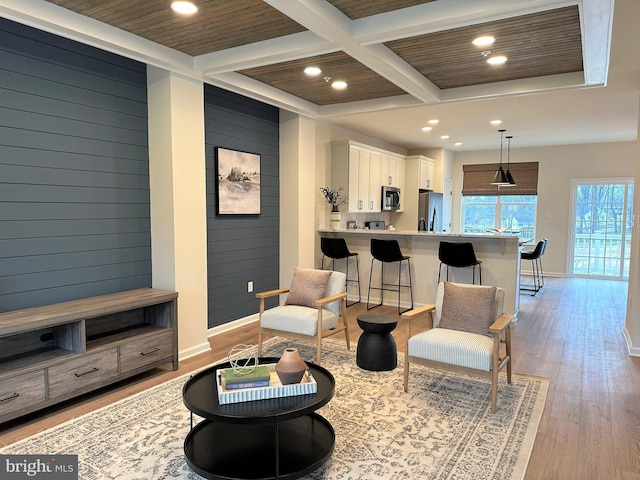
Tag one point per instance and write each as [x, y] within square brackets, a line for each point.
[395, 55]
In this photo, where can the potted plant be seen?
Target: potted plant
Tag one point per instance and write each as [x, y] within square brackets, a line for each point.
[333, 197]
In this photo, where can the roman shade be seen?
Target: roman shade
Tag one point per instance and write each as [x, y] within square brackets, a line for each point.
[477, 179]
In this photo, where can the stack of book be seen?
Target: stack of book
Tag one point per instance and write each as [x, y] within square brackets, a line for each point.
[259, 377]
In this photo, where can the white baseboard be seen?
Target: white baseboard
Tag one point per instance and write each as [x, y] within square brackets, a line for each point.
[193, 351]
[633, 351]
[241, 322]
[212, 332]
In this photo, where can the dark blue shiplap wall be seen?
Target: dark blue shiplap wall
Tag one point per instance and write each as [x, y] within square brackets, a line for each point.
[241, 248]
[74, 171]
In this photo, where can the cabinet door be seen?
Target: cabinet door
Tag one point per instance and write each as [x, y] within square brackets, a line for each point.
[400, 182]
[427, 173]
[363, 181]
[375, 187]
[354, 203]
[388, 171]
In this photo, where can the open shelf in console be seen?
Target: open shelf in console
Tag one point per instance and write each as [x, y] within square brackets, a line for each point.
[30, 348]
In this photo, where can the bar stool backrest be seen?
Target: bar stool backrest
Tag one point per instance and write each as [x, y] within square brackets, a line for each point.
[386, 250]
[544, 247]
[457, 254]
[536, 252]
[334, 247]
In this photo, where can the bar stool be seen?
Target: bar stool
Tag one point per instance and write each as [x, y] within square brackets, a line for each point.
[335, 249]
[458, 255]
[388, 251]
[535, 256]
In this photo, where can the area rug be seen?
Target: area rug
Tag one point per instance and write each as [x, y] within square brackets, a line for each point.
[442, 428]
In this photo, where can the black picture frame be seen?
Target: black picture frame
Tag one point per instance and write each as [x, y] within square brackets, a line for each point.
[237, 182]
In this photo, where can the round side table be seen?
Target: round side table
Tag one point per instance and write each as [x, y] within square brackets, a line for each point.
[376, 346]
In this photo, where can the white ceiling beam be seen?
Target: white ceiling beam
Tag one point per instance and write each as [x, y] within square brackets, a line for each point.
[276, 50]
[597, 25]
[329, 23]
[259, 91]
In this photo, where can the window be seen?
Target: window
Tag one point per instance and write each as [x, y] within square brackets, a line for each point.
[603, 220]
[514, 213]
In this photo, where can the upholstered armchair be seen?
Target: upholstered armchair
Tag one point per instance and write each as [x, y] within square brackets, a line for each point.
[467, 332]
[315, 302]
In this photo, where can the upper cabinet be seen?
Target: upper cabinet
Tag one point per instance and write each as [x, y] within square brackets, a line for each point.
[427, 173]
[357, 167]
[392, 170]
[363, 171]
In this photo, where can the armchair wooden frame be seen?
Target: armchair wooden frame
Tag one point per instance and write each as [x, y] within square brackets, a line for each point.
[320, 334]
[500, 331]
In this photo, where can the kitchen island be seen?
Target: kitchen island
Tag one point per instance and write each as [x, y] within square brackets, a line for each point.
[500, 256]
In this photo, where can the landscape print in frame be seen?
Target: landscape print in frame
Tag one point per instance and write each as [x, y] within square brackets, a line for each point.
[238, 182]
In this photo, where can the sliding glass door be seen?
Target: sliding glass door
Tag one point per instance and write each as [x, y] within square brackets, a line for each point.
[601, 236]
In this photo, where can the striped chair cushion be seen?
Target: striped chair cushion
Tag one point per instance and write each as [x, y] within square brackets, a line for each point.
[453, 347]
[297, 319]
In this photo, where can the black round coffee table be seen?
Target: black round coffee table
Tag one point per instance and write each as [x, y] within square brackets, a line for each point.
[273, 438]
[376, 346]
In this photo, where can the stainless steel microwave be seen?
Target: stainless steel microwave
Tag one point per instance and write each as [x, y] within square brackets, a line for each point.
[390, 198]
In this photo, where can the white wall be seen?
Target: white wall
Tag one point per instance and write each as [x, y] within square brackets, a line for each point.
[557, 167]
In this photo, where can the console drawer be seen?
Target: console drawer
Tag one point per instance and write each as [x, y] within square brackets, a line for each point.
[147, 349]
[21, 391]
[83, 374]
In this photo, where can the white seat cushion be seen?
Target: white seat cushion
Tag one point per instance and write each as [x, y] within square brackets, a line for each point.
[297, 319]
[453, 347]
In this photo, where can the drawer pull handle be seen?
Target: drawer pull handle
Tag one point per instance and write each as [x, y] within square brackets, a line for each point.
[149, 353]
[10, 397]
[93, 370]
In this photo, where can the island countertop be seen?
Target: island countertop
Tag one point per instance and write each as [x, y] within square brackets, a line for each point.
[499, 254]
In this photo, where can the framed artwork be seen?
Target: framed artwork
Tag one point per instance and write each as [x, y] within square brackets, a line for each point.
[237, 182]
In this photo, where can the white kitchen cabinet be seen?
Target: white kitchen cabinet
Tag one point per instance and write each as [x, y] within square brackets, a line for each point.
[392, 171]
[356, 167]
[427, 173]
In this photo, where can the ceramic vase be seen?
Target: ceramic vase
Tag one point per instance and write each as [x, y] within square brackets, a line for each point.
[290, 368]
[335, 220]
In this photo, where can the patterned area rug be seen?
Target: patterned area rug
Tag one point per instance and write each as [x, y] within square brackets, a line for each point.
[442, 429]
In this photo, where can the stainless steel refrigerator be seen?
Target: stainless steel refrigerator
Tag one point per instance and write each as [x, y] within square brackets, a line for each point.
[429, 211]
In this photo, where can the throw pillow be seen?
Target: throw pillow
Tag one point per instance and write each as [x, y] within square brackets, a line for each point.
[307, 286]
[468, 308]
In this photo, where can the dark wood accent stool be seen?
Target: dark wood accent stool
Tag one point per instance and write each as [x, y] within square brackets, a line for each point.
[376, 347]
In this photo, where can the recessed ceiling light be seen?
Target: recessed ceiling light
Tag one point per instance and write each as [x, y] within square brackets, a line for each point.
[457, 144]
[497, 60]
[444, 137]
[484, 41]
[496, 122]
[434, 121]
[312, 71]
[339, 85]
[185, 8]
[427, 129]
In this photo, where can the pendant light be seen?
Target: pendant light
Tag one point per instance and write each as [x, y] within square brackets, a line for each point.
[500, 178]
[512, 182]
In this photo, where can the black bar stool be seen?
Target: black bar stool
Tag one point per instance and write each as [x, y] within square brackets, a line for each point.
[535, 256]
[458, 255]
[388, 251]
[335, 249]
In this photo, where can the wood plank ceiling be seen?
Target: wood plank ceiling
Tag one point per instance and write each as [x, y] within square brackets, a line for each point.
[537, 44]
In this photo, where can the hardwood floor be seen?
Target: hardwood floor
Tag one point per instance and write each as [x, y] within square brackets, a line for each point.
[571, 333]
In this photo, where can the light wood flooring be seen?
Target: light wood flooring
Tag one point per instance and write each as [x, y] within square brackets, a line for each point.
[571, 333]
